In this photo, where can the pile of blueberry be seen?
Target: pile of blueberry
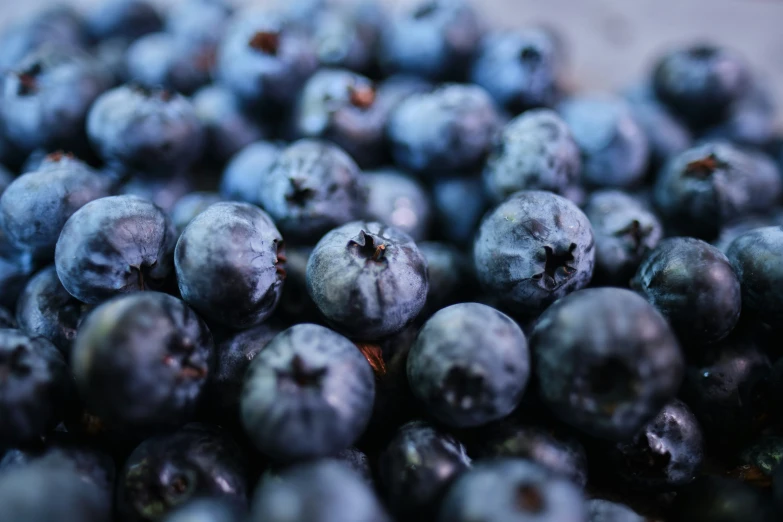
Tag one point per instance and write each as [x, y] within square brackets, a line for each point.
[363, 263]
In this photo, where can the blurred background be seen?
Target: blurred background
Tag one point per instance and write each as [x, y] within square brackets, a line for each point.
[610, 42]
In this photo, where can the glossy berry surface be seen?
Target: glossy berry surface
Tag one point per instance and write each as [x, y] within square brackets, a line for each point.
[114, 245]
[754, 257]
[36, 389]
[167, 471]
[534, 248]
[694, 286]
[597, 369]
[142, 360]
[367, 279]
[231, 264]
[469, 365]
[308, 394]
[244, 173]
[536, 151]
[312, 187]
[512, 489]
[417, 467]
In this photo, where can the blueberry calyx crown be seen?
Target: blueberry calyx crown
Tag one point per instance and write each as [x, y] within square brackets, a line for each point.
[361, 97]
[635, 235]
[28, 79]
[149, 92]
[369, 246]
[529, 499]
[703, 168]
[299, 194]
[530, 55]
[280, 259]
[556, 261]
[703, 52]
[299, 375]
[268, 42]
[462, 387]
[183, 347]
[374, 356]
[59, 156]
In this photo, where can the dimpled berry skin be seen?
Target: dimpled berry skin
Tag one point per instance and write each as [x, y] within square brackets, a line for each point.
[512, 490]
[313, 187]
[625, 231]
[416, 468]
[535, 152]
[148, 130]
[35, 390]
[614, 146]
[708, 186]
[308, 394]
[47, 310]
[694, 286]
[230, 264]
[435, 39]
[665, 454]
[606, 361]
[534, 248]
[114, 245]
[469, 365]
[520, 68]
[36, 205]
[367, 279]
[141, 360]
[446, 130]
[321, 491]
[757, 257]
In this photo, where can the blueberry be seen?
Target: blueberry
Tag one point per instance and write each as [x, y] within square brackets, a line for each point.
[347, 36]
[713, 184]
[726, 389]
[367, 279]
[606, 361]
[719, 499]
[308, 394]
[206, 510]
[520, 68]
[605, 511]
[416, 468]
[264, 61]
[664, 455]
[666, 134]
[755, 257]
[614, 147]
[534, 248]
[346, 108]
[233, 356]
[126, 19]
[546, 445]
[142, 360]
[535, 152]
[743, 225]
[459, 203]
[243, 175]
[230, 264]
[152, 131]
[700, 82]
[295, 305]
[398, 200]
[165, 60]
[46, 98]
[50, 490]
[694, 286]
[443, 131]
[322, 491]
[228, 130]
[357, 462]
[164, 472]
[36, 390]
[512, 490]
[469, 365]
[436, 39]
[163, 192]
[35, 206]
[625, 231]
[191, 205]
[751, 120]
[112, 246]
[450, 278]
[313, 187]
[46, 309]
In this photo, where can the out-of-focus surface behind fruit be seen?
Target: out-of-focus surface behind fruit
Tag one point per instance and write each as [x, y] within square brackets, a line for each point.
[610, 42]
